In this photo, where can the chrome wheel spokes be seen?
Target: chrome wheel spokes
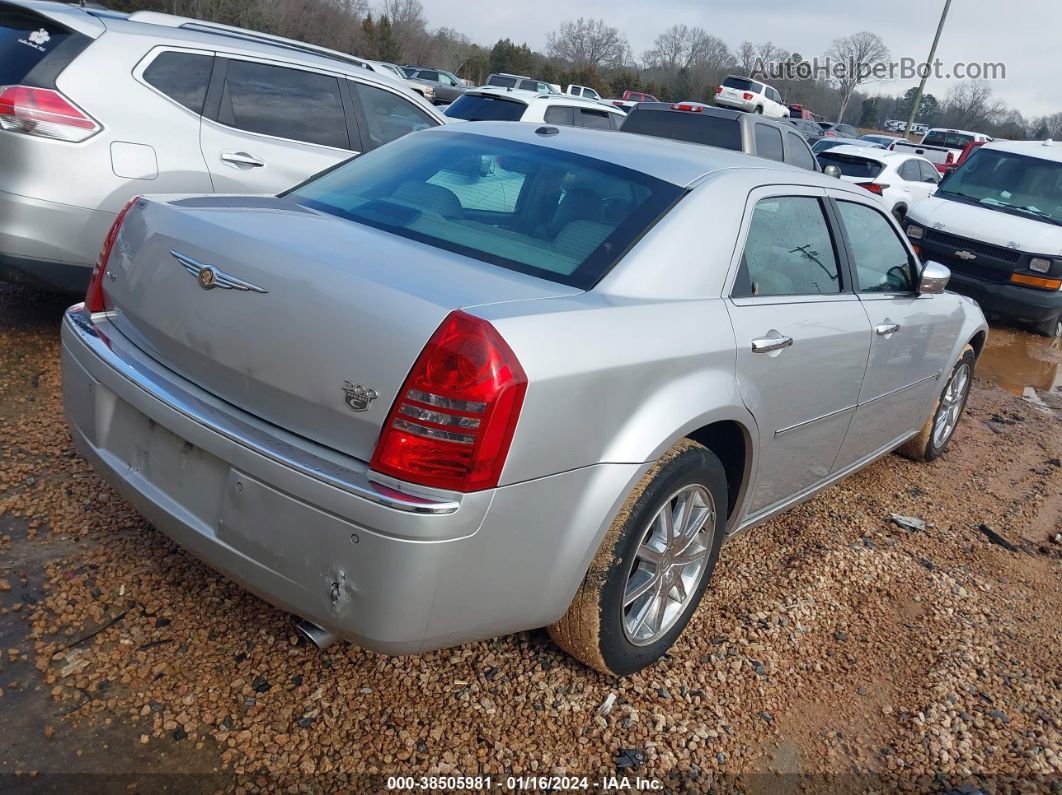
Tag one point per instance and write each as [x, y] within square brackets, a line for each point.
[668, 564]
[951, 403]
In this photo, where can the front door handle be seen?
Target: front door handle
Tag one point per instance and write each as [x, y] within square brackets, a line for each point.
[886, 329]
[773, 343]
[242, 159]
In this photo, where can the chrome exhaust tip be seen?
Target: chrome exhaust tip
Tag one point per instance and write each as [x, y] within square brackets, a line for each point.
[318, 636]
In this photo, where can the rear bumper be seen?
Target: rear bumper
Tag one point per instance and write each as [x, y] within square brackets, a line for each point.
[49, 243]
[1008, 300]
[734, 104]
[315, 532]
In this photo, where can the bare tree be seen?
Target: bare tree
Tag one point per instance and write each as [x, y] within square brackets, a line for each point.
[746, 58]
[856, 57]
[970, 106]
[682, 47]
[407, 22]
[588, 44]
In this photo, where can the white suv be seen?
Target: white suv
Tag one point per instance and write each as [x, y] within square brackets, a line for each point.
[513, 104]
[744, 93]
[98, 106]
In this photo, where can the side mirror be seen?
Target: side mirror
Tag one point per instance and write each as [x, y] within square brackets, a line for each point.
[933, 278]
[832, 171]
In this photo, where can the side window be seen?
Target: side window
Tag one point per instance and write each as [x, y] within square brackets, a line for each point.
[597, 119]
[261, 98]
[560, 114]
[799, 154]
[789, 251]
[929, 173]
[388, 116]
[881, 261]
[769, 142]
[910, 171]
[182, 76]
[428, 74]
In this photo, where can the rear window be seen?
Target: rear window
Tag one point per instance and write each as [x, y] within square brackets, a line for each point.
[852, 165]
[478, 107]
[696, 128]
[182, 76]
[501, 81]
[950, 140]
[33, 49]
[739, 83]
[534, 209]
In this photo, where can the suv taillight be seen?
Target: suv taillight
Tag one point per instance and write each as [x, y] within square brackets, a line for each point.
[453, 421]
[45, 113]
[718, 89]
[873, 187]
[94, 296]
[746, 95]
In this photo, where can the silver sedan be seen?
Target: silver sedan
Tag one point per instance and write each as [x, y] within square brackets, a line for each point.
[497, 376]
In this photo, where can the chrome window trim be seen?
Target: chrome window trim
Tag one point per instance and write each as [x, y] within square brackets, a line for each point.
[137, 72]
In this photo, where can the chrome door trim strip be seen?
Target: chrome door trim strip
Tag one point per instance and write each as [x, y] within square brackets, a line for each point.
[902, 388]
[813, 420]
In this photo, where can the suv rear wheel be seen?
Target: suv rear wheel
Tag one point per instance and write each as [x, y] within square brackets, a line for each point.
[653, 565]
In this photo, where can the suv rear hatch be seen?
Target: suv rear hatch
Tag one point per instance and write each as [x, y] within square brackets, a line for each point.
[302, 308]
[35, 47]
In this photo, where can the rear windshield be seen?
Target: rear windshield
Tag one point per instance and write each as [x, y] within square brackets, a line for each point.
[534, 209]
[952, 140]
[740, 83]
[475, 107]
[852, 165]
[27, 42]
[681, 125]
[502, 82]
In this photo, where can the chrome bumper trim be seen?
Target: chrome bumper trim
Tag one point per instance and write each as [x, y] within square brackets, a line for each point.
[260, 441]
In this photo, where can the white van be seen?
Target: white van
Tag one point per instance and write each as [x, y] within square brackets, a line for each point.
[996, 221]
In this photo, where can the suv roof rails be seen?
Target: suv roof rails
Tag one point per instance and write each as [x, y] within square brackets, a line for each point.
[231, 31]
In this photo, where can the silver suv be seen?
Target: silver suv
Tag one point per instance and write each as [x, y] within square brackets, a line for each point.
[98, 106]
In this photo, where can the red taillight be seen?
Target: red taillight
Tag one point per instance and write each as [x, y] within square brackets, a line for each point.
[873, 187]
[718, 89]
[45, 113]
[94, 295]
[451, 425]
[951, 158]
[687, 106]
[746, 95]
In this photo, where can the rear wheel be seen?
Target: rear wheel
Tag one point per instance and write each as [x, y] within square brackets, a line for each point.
[653, 565]
[758, 109]
[1052, 327]
[933, 439]
[899, 212]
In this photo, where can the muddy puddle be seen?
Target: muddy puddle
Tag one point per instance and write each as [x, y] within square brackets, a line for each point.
[1015, 359]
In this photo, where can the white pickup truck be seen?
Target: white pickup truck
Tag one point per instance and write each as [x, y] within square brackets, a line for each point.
[940, 146]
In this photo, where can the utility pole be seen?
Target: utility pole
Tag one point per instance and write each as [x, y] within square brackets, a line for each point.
[925, 75]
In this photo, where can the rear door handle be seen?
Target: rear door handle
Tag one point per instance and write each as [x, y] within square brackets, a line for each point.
[886, 329]
[768, 344]
[242, 159]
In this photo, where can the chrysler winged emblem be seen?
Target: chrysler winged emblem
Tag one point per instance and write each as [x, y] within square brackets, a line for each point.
[211, 276]
[358, 397]
[966, 255]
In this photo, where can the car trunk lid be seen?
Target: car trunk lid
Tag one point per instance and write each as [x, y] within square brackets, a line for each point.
[306, 320]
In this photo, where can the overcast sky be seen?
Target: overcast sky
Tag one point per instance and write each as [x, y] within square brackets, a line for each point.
[1023, 35]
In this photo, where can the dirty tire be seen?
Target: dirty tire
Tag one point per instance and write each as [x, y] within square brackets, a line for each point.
[1050, 328]
[592, 628]
[921, 446]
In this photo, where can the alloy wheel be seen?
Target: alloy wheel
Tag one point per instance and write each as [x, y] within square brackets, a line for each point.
[668, 565]
[951, 403]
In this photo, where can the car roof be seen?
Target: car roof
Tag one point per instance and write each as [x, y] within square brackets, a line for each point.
[1045, 150]
[173, 29]
[870, 152]
[677, 162]
[527, 96]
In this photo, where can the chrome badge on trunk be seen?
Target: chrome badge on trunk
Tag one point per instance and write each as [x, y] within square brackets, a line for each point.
[210, 276]
[358, 397]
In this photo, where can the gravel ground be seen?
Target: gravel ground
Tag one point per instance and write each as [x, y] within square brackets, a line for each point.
[835, 649]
